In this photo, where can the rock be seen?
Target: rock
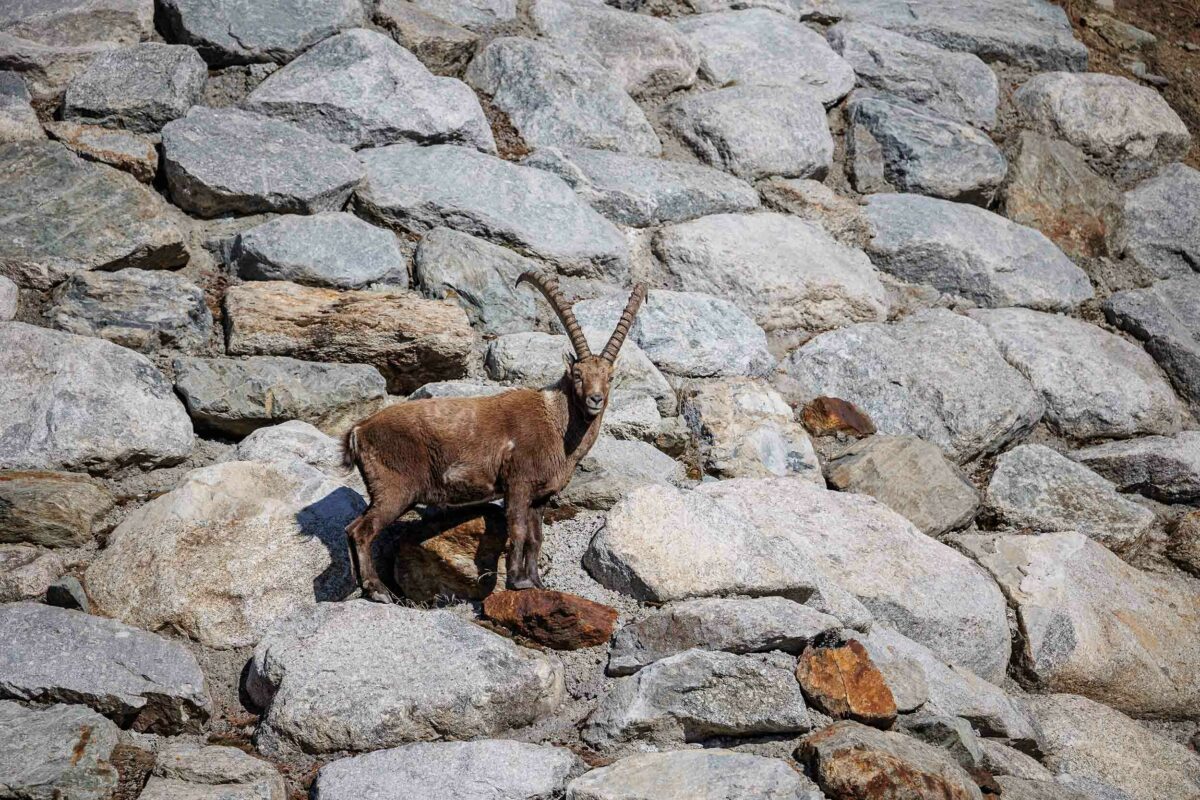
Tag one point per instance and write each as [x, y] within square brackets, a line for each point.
[909, 476]
[51, 509]
[922, 377]
[697, 695]
[294, 441]
[744, 429]
[612, 469]
[1095, 384]
[1162, 216]
[1077, 604]
[237, 397]
[119, 222]
[755, 131]
[1088, 740]
[10, 299]
[186, 771]
[361, 89]
[755, 625]
[456, 553]
[633, 416]
[709, 774]
[843, 683]
[418, 189]
[219, 161]
[1050, 789]
[474, 15]
[757, 47]
[955, 85]
[642, 192]
[1166, 318]
[464, 387]
[409, 339]
[950, 734]
[557, 620]
[788, 274]
[229, 552]
[560, 97]
[404, 675]
[851, 760]
[1050, 187]
[1128, 128]
[243, 31]
[644, 53]
[134, 153]
[1002, 760]
[688, 334]
[1184, 545]
[490, 769]
[141, 87]
[59, 752]
[443, 47]
[331, 248]
[924, 152]
[1036, 488]
[1162, 467]
[26, 572]
[79, 403]
[815, 202]
[137, 679]
[68, 592]
[825, 416]
[18, 120]
[141, 310]
[973, 253]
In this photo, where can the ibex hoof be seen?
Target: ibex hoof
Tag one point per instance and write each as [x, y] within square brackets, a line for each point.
[521, 583]
[379, 595]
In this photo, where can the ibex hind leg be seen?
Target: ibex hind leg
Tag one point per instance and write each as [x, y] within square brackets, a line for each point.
[385, 508]
[533, 547]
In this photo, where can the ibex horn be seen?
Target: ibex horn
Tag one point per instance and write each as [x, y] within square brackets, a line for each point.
[549, 287]
[624, 323]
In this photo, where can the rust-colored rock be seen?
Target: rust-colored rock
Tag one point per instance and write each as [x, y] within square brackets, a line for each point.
[556, 619]
[125, 150]
[825, 416]
[844, 683]
[452, 554]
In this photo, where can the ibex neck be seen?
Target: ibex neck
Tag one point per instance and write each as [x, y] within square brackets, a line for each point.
[580, 431]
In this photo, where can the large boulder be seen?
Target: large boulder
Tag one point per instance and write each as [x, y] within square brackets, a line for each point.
[1162, 222]
[362, 89]
[141, 87]
[1166, 468]
[51, 509]
[615, 467]
[1165, 317]
[402, 675]
[58, 753]
[709, 774]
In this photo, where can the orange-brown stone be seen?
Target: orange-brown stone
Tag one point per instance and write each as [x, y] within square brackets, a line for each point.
[555, 619]
[453, 554]
[844, 683]
[825, 416]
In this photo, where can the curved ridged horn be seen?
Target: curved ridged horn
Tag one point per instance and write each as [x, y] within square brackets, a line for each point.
[549, 287]
[624, 324]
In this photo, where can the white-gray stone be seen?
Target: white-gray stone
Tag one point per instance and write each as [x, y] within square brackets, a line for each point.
[18, 120]
[1163, 467]
[615, 467]
[710, 774]
[1166, 318]
[464, 387]
[26, 572]
[10, 299]
[141, 87]
[1162, 222]
[57, 753]
[189, 771]
[474, 15]
[293, 441]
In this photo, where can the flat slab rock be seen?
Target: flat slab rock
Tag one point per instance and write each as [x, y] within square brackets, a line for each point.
[135, 153]
[57, 752]
[474, 15]
[190, 771]
[405, 675]
[1166, 318]
[558, 620]
[137, 679]
[1162, 217]
[1166, 468]
[18, 120]
[709, 774]
[51, 509]
[141, 87]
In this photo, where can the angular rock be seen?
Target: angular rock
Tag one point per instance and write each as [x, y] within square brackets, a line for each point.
[967, 251]
[1184, 546]
[788, 274]
[843, 683]
[825, 416]
[1095, 384]
[137, 679]
[1035, 488]
[815, 202]
[490, 769]
[292, 441]
[79, 403]
[1050, 789]
[188, 771]
[62, 752]
[1166, 318]
[633, 416]
[51, 509]
[950, 734]
[474, 15]
[1162, 217]
[219, 161]
[407, 338]
[119, 222]
[18, 120]
[646, 54]
[1095, 626]
[141, 310]
[557, 96]
[955, 85]
[406, 675]
[456, 553]
[613, 468]
[245, 31]
[361, 89]
[134, 153]
[755, 131]
[418, 189]
[10, 299]
[26, 572]
[331, 248]
[1165, 468]
[757, 47]
[640, 191]
[465, 387]
[909, 476]
[141, 87]
[443, 47]
[1002, 760]
[557, 620]
[709, 774]
[922, 377]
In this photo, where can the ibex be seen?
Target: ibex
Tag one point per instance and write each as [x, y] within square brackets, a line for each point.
[522, 445]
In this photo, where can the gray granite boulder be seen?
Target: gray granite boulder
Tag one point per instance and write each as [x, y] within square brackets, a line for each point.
[330, 248]
[755, 131]
[18, 120]
[27, 572]
[615, 467]
[139, 309]
[1166, 468]
[51, 509]
[1095, 384]
[135, 153]
[57, 753]
[1162, 222]
[1165, 317]
[474, 15]
[190, 771]
[406, 675]
[292, 441]
[10, 299]
[640, 191]
[361, 89]
[924, 377]
[955, 85]
[418, 189]
[137, 679]
[443, 47]
[118, 221]
[709, 774]
[141, 87]
[967, 251]
[556, 96]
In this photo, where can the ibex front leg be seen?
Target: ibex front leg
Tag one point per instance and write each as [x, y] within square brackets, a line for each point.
[516, 513]
[533, 546]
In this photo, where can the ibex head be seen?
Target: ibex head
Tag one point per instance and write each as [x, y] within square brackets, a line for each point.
[590, 375]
